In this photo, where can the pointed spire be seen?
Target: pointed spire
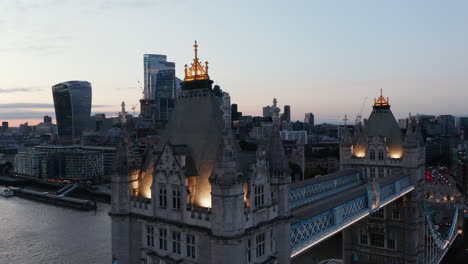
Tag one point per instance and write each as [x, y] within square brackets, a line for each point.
[381, 102]
[275, 151]
[346, 140]
[225, 171]
[357, 129]
[196, 71]
[410, 137]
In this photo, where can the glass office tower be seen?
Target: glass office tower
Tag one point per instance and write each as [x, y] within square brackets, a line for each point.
[72, 101]
[165, 94]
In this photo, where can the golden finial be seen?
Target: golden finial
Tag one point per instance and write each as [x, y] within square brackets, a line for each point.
[196, 70]
[381, 101]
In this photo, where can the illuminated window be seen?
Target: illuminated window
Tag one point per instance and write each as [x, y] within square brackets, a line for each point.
[175, 196]
[377, 239]
[149, 236]
[175, 242]
[259, 195]
[190, 246]
[380, 155]
[162, 239]
[363, 239]
[162, 195]
[372, 155]
[260, 245]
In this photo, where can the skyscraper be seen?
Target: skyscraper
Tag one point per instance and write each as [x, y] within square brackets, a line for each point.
[165, 94]
[72, 101]
[160, 87]
[287, 113]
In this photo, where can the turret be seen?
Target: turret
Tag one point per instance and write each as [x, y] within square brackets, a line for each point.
[346, 144]
[227, 191]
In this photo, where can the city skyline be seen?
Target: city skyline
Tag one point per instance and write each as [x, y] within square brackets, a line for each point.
[328, 57]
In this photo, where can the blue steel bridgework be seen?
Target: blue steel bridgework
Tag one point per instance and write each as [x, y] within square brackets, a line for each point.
[316, 221]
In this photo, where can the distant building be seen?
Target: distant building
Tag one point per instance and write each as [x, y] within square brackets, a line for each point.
[72, 101]
[271, 111]
[160, 88]
[447, 125]
[286, 116]
[461, 178]
[69, 162]
[5, 125]
[463, 127]
[234, 112]
[47, 119]
[299, 136]
[309, 122]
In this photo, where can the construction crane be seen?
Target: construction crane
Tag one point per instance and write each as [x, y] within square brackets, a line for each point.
[358, 117]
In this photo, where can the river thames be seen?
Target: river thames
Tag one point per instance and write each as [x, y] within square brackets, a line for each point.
[33, 232]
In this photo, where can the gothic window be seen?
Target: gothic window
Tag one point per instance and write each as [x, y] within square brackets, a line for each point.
[272, 246]
[395, 214]
[260, 245]
[372, 155]
[380, 155]
[377, 239]
[190, 246]
[149, 236]
[162, 195]
[381, 172]
[259, 195]
[372, 173]
[363, 239]
[249, 249]
[162, 239]
[391, 243]
[176, 242]
[175, 196]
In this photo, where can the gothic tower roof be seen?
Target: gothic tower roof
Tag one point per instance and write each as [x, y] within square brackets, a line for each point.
[196, 122]
[381, 123]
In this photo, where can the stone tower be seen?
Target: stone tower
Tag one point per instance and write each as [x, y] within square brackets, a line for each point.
[395, 233]
[198, 197]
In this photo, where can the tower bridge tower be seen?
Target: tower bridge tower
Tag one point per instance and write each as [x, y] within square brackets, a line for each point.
[198, 197]
[395, 233]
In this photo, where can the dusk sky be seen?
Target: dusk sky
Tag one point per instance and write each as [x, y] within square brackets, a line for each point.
[323, 57]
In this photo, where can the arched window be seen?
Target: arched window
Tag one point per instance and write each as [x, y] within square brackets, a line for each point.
[259, 195]
[380, 154]
[372, 155]
[162, 195]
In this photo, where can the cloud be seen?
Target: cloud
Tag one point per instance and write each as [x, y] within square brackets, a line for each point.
[25, 105]
[19, 89]
[37, 105]
[127, 88]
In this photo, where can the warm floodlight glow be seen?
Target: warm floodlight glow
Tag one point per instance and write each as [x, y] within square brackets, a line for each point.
[360, 154]
[395, 155]
[205, 202]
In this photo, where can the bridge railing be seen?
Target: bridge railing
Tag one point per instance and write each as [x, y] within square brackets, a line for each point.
[314, 191]
[363, 201]
[435, 245]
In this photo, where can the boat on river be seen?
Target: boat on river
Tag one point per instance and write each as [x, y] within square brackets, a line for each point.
[7, 192]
